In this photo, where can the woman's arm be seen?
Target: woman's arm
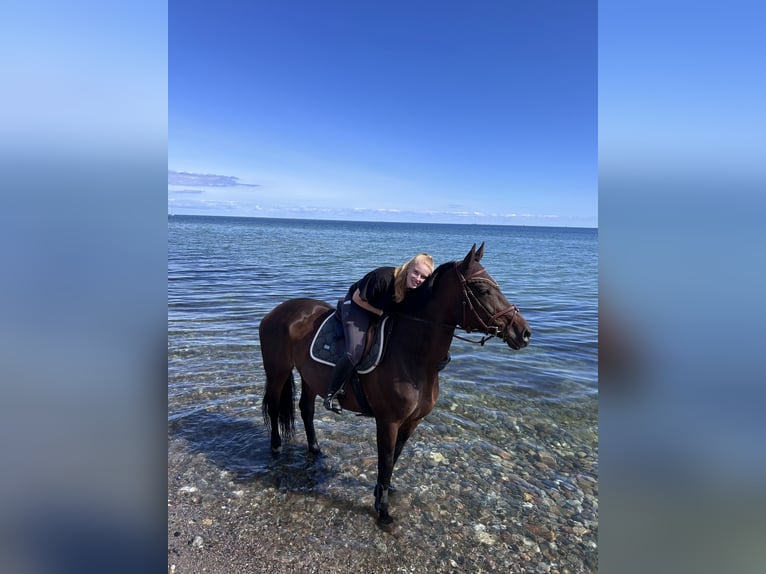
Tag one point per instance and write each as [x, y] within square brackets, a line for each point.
[364, 304]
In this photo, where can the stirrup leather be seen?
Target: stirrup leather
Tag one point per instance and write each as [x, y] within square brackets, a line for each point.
[331, 403]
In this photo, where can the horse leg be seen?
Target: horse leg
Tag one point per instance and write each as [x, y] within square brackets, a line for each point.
[401, 438]
[405, 431]
[386, 438]
[271, 412]
[306, 405]
[278, 408]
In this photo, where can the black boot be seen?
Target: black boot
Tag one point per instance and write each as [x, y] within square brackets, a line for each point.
[342, 373]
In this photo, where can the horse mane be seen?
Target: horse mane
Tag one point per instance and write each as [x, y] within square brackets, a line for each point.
[439, 270]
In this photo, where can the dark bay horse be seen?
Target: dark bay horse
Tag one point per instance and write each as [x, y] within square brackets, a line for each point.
[403, 388]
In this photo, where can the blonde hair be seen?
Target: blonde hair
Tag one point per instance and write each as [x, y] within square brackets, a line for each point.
[400, 274]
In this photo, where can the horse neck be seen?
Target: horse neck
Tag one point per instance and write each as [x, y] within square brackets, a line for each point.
[432, 336]
[437, 312]
[445, 301]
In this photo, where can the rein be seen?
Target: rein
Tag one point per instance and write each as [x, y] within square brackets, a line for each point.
[470, 301]
[481, 341]
[447, 325]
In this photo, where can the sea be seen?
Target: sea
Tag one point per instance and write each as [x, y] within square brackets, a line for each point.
[519, 427]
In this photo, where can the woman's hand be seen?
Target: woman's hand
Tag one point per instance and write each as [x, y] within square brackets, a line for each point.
[357, 298]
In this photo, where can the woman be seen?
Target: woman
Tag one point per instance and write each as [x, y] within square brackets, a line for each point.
[374, 294]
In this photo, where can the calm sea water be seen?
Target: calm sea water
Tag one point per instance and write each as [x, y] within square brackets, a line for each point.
[225, 274]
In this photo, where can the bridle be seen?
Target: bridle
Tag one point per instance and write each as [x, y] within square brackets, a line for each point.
[472, 304]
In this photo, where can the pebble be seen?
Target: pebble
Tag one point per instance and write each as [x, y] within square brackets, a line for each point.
[550, 484]
[541, 532]
[486, 538]
[438, 457]
[546, 458]
[568, 485]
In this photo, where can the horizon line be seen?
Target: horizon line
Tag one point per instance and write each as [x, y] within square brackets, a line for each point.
[293, 218]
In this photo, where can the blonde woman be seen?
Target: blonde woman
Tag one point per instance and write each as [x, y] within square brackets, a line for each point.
[374, 294]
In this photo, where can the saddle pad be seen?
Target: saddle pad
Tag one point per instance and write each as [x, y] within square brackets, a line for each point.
[329, 344]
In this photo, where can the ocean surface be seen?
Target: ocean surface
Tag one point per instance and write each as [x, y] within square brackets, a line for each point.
[519, 424]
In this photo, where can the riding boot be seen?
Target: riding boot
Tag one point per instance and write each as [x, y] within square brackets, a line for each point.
[340, 375]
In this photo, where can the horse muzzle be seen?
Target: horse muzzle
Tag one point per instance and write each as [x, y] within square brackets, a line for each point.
[517, 333]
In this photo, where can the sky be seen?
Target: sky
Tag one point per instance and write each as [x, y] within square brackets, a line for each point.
[444, 112]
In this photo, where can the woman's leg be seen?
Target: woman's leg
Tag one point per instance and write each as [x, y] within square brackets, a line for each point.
[355, 323]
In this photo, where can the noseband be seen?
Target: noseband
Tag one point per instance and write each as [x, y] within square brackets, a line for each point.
[472, 304]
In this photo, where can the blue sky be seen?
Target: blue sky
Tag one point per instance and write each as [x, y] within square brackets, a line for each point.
[428, 112]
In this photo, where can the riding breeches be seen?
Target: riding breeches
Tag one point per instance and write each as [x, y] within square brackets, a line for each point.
[355, 323]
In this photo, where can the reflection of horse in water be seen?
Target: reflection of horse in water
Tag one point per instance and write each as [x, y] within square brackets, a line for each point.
[403, 388]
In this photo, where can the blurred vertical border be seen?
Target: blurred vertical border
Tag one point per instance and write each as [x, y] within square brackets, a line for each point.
[83, 329]
[682, 135]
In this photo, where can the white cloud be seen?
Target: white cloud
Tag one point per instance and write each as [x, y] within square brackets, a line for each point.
[205, 180]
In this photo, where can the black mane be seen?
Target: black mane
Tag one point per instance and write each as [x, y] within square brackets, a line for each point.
[439, 270]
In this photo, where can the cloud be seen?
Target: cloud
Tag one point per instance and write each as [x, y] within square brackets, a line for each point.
[189, 204]
[205, 180]
[186, 191]
[201, 205]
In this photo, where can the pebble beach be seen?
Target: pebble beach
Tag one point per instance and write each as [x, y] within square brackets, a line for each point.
[530, 506]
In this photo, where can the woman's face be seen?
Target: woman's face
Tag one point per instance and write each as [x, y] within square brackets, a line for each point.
[416, 274]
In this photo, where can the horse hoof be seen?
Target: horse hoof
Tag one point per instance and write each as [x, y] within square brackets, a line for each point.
[314, 449]
[385, 520]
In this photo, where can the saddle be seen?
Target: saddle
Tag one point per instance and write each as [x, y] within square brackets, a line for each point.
[329, 343]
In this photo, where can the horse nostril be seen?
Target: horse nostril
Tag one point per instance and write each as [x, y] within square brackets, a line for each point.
[526, 335]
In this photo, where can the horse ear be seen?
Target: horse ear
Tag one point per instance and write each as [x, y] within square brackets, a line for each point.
[480, 252]
[470, 256]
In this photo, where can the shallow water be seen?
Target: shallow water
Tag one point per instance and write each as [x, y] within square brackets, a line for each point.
[502, 474]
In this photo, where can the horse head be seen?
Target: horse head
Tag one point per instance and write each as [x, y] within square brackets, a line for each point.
[485, 308]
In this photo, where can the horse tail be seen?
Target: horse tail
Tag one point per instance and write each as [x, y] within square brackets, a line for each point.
[286, 408]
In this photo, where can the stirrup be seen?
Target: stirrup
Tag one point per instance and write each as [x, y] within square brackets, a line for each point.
[331, 403]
